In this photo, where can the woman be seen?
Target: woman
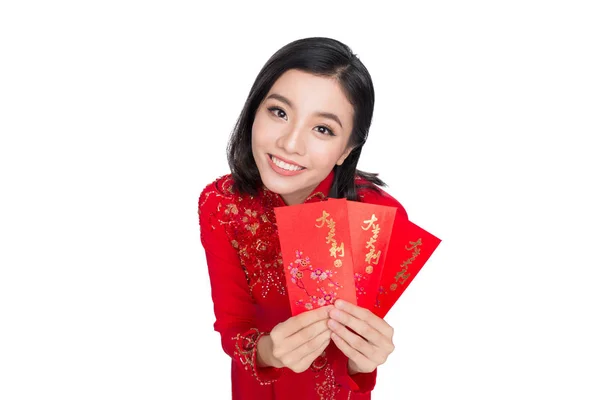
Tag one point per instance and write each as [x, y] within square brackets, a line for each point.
[298, 140]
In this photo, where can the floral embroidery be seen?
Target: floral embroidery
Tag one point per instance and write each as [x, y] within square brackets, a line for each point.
[327, 388]
[245, 350]
[249, 224]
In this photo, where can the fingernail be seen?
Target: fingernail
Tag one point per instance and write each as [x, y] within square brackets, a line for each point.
[340, 303]
[333, 324]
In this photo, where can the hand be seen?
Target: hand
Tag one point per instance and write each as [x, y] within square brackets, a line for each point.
[297, 342]
[371, 342]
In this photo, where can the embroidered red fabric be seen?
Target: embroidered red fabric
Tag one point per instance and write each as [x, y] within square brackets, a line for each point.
[239, 236]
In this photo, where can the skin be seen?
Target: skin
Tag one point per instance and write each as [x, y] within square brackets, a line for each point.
[372, 343]
[307, 119]
[288, 124]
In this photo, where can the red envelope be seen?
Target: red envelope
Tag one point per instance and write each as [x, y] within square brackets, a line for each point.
[370, 231]
[317, 253]
[409, 249]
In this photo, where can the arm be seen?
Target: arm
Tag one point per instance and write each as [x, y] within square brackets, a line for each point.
[232, 300]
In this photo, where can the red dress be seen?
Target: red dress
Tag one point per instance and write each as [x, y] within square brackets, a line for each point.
[239, 235]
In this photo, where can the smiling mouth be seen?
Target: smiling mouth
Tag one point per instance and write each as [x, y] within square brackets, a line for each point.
[282, 164]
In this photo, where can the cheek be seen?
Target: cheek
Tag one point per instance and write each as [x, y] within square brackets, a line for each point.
[261, 131]
[325, 154]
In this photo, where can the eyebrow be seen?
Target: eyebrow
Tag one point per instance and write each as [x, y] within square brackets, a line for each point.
[323, 114]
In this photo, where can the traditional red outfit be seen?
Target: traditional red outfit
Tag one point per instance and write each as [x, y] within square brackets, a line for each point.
[239, 235]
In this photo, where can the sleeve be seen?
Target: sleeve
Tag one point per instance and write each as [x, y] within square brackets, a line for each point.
[233, 303]
[357, 383]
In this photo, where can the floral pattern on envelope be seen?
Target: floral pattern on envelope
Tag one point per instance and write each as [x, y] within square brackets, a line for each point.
[317, 254]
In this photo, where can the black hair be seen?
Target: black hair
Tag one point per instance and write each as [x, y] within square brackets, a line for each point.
[323, 57]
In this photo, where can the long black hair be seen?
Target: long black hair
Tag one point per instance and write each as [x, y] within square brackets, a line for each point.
[318, 56]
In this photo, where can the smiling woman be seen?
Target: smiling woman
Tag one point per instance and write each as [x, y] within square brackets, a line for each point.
[298, 140]
[299, 131]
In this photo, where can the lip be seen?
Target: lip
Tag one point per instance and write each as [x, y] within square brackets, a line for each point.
[286, 160]
[282, 171]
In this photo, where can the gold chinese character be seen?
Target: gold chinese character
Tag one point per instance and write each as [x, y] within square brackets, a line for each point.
[371, 243]
[322, 219]
[371, 255]
[369, 222]
[413, 244]
[404, 275]
[336, 249]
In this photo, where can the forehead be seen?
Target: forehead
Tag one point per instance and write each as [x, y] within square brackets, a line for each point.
[311, 93]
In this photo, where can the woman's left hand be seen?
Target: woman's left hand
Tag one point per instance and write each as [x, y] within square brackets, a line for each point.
[373, 344]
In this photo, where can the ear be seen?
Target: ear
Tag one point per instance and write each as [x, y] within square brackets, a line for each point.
[343, 157]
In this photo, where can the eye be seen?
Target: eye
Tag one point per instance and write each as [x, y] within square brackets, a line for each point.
[278, 112]
[325, 130]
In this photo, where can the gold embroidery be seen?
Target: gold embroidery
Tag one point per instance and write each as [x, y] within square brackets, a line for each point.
[245, 350]
[231, 208]
[249, 223]
[327, 388]
[319, 363]
[253, 227]
[321, 196]
[260, 246]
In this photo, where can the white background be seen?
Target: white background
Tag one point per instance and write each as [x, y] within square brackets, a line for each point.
[114, 115]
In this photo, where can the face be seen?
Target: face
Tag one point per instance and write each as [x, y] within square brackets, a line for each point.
[300, 131]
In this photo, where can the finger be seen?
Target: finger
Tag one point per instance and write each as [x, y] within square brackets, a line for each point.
[352, 353]
[305, 335]
[307, 360]
[356, 342]
[303, 320]
[367, 316]
[307, 348]
[361, 327]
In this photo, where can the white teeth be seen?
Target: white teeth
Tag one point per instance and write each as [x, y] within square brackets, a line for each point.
[284, 165]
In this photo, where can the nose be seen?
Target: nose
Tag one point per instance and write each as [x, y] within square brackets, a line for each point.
[292, 140]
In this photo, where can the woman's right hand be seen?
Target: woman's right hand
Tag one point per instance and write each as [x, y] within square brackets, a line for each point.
[297, 342]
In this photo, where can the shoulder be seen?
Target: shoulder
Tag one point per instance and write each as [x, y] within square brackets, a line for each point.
[217, 198]
[219, 189]
[373, 194]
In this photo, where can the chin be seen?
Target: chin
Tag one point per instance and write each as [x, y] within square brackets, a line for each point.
[276, 186]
